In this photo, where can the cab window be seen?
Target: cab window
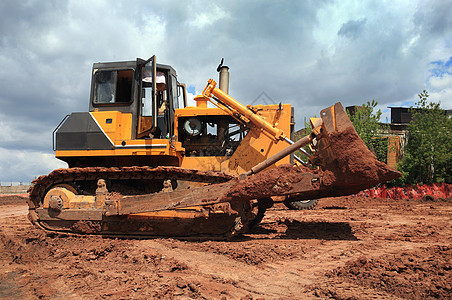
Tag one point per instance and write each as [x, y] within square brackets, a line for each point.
[113, 86]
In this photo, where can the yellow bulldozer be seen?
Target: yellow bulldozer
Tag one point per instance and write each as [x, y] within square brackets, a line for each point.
[141, 165]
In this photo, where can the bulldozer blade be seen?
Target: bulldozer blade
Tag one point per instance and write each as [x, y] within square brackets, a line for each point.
[346, 161]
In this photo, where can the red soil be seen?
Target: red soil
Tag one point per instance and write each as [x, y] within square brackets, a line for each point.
[345, 248]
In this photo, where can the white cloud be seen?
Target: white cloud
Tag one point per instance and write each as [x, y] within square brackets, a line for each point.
[441, 82]
[444, 96]
[211, 14]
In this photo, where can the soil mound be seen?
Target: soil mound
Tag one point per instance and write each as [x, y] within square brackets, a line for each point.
[421, 274]
[13, 199]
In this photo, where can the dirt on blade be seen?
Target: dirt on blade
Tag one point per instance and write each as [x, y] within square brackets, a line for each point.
[346, 248]
[355, 166]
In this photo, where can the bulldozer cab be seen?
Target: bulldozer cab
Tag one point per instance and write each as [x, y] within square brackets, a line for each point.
[143, 88]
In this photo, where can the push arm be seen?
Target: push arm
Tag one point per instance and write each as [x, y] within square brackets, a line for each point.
[212, 92]
[277, 134]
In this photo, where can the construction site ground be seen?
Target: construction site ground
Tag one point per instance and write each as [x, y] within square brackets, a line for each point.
[345, 248]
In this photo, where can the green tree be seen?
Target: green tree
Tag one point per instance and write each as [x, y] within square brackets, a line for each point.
[428, 153]
[366, 122]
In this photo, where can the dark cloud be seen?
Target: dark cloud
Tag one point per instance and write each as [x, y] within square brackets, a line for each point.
[433, 17]
[307, 53]
[352, 28]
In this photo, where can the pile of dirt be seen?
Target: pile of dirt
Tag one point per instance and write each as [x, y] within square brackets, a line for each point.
[93, 266]
[13, 199]
[355, 168]
[421, 274]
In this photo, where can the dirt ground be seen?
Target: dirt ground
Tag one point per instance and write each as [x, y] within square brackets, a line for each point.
[345, 248]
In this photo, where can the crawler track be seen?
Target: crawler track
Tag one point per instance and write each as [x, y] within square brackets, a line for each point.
[43, 183]
[139, 180]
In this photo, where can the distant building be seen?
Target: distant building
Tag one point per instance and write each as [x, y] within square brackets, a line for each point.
[400, 115]
[352, 109]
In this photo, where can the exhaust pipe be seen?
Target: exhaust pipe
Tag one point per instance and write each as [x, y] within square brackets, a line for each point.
[223, 81]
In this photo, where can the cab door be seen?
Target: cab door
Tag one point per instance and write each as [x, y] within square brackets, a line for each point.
[147, 114]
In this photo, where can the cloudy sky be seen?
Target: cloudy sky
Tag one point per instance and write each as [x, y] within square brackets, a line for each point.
[307, 53]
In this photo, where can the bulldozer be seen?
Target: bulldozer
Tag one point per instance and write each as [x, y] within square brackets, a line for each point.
[142, 162]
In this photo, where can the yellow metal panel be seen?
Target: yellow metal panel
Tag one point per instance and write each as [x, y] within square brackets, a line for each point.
[191, 111]
[315, 122]
[126, 127]
[116, 125]
[257, 145]
[118, 152]
[82, 202]
[153, 147]
[205, 163]
[131, 147]
[255, 148]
